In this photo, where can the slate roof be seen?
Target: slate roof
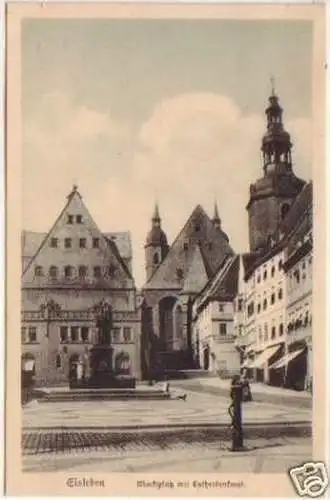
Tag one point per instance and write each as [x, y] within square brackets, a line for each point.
[199, 231]
[303, 201]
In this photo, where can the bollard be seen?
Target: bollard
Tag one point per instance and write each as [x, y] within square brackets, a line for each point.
[235, 412]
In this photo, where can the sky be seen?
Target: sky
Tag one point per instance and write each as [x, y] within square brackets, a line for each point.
[134, 111]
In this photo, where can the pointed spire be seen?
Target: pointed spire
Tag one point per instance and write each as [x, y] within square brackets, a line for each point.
[73, 192]
[216, 219]
[272, 82]
[156, 216]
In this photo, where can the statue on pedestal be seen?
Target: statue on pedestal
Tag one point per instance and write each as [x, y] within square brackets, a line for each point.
[104, 323]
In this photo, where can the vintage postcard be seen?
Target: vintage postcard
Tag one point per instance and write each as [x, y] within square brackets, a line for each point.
[165, 321]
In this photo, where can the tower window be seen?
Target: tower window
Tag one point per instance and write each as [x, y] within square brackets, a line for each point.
[79, 219]
[96, 242]
[156, 259]
[70, 219]
[82, 243]
[54, 242]
[67, 242]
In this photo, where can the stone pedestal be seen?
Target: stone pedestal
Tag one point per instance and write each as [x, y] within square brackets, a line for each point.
[101, 369]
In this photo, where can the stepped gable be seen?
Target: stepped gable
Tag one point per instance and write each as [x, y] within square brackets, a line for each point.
[197, 276]
[114, 271]
[198, 230]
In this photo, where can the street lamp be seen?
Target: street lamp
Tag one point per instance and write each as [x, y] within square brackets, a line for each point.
[50, 310]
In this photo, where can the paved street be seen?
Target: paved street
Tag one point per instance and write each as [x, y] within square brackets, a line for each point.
[262, 456]
[199, 408]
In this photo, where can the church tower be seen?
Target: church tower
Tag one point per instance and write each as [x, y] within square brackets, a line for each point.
[156, 246]
[272, 195]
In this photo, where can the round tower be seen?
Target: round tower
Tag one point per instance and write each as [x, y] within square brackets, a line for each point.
[156, 246]
[272, 195]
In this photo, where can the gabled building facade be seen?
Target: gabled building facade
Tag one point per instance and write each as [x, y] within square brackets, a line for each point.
[175, 275]
[67, 274]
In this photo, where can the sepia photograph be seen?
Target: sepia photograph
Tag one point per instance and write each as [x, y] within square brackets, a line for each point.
[166, 183]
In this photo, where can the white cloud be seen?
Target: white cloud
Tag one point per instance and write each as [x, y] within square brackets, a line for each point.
[193, 148]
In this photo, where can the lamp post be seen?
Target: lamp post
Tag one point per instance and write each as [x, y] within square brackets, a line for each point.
[49, 310]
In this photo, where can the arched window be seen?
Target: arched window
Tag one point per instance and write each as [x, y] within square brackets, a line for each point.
[53, 272]
[38, 271]
[68, 271]
[156, 259]
[265, 304]
[284, 210]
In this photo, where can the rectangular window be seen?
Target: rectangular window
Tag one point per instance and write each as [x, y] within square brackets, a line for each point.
[127, 334]
[240, 304]
[84, 334]
[38, 271]
[96, 242]
[54, 242]
[70, 219]
[74, 333]
[221, 308]
[82, 271]
[67, 243]
[116, 335]
[82, 243]
[32, 334]
[79, 219]
[97, 272]
[223, 329]
[64, 334]
[23, 334]
[68, 271]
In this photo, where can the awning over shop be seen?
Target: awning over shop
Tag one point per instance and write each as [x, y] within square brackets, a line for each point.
[264, 357]
[286, 359]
